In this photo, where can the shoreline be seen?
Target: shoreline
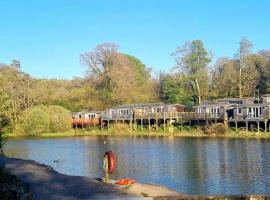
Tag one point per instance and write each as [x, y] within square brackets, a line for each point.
[44, 183]
[193, 133]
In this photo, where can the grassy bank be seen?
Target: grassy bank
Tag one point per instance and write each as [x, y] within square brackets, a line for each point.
[120, 130]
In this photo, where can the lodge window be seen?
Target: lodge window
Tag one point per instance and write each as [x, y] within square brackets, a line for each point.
[158, 110]
[239, 110]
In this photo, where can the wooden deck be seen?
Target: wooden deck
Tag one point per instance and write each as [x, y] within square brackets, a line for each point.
[86, 121]
[163, 115]
[167, 118]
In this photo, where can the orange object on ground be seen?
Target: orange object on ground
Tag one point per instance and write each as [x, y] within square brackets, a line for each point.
[126, 181]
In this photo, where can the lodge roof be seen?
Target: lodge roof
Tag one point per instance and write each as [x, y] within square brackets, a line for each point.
[236, 99]
[213, 105]
[142, 105]
[224, 102]
[252, 105]
[87, 111]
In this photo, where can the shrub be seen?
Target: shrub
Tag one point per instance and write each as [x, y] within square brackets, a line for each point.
[41, 119]
[59, 119]
[119, 129]
[35, 121]
[4, 126]
[216, 129]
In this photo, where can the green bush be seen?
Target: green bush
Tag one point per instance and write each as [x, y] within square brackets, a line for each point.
[216, 129]
[4, 127]
[42, 119]
[59, 119]
[35, 121]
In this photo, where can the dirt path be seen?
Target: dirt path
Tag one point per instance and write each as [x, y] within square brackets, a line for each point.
[47, 184]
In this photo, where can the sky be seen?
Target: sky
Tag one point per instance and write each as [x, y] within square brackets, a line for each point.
[48, 36]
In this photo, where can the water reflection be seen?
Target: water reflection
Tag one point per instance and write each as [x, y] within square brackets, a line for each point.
[188, 165]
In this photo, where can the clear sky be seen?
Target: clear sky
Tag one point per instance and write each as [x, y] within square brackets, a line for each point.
[48, 36]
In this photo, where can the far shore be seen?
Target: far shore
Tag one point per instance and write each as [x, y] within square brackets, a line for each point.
[127, 132]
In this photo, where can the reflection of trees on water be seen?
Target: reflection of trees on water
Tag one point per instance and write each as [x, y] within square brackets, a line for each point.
[16, 149]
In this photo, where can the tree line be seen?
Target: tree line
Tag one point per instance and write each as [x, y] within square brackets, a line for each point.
[114, 78]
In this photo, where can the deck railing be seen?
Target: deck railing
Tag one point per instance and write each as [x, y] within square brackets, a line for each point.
[162, 115]
[117, 116]
[90, 121]
[179, 115]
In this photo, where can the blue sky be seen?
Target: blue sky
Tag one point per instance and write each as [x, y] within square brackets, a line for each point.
[48, 36]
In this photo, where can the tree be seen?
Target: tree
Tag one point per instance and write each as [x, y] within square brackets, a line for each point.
[264, 53]
[4, 124]
[142, 72]
[35, 121]
[118, 78]
[193, 59]
[259, 64]
[13, 91]
[175, 89]
[100, 60]
[243, 51]
[224, 79]
[249, 80]
[59, 119]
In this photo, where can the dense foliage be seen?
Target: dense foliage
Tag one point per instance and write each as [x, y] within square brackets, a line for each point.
[59, 118]
[35, 121]
[42, 119]
[33, 105]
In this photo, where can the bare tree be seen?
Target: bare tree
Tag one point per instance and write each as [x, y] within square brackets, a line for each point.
[100, 59]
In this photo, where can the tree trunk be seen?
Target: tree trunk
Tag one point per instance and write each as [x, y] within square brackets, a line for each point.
[198, 89]
[240, 80]
[13, 108]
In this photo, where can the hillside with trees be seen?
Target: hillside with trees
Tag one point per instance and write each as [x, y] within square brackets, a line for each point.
[114, 78]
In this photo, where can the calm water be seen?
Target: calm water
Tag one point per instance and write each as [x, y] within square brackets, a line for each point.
[188, 165]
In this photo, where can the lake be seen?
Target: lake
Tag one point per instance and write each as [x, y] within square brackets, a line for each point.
[206, 166]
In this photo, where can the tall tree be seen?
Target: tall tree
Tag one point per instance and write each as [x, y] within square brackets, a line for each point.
[224, 79]
[117, 77]
[193, 60]
[259, 65]
[243, 51]
[175, 89]
[142, 72]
